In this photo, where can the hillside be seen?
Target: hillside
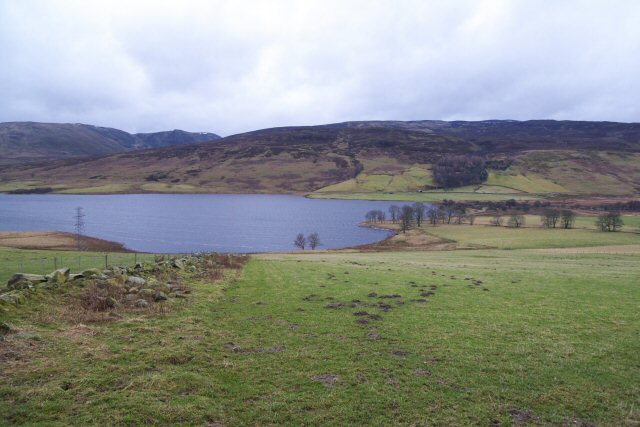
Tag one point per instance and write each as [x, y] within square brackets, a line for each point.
[531, 157]
[31, 141]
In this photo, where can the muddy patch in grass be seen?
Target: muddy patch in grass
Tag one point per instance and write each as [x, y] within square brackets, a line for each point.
[421, 373]
[577, 422]
[522, 417]
[334, 305]
[327, 379]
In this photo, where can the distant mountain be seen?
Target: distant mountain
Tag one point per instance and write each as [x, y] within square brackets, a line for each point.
[524, 157]
[31, 141]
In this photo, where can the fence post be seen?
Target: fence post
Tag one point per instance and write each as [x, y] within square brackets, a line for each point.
[42, 261]
[55, 262]
[135, 258]
[106, 261]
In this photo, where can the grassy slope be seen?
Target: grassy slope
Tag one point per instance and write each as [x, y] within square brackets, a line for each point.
[553, 338]
[543, 173]
[533, 174]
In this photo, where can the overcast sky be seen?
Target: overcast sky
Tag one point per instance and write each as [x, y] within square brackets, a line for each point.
[234, 66]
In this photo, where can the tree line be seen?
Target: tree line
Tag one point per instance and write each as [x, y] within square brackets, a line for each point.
[417, 213]
[450, 212]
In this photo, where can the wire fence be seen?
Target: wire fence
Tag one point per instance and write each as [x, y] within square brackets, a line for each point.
[77, 262]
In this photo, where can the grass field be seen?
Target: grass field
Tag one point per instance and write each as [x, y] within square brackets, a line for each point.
[479, 236]
[425, 196]
[512, 336]
[45, 261]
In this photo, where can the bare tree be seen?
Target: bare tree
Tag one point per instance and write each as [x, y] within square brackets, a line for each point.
[432, 214]
[496, 220]
[472, 219]
[79, 226]
[516, 220]
[550, 218]
[394, 211]
[611, 221]
[370, 216]
[375, 216]
[567, 218]
[418, 212]
[313, 240]
[300, 241]
[406, 216]
[449, 211]
[460, 214]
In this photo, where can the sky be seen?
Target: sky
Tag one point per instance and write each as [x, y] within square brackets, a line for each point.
[234, 66]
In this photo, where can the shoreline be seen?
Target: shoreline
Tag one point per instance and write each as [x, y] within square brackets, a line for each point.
[57, 240]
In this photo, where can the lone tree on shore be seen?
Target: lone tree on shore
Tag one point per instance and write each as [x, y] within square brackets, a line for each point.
[79, 226]
[313, 240]
[300, 241]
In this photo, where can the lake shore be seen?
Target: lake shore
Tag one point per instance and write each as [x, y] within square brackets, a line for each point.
[56, 240]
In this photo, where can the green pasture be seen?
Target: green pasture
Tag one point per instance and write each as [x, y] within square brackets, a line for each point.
[348, 339]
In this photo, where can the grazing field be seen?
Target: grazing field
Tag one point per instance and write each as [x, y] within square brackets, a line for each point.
[480, 337]
[44, 261]
[425, 196]
[481, 236]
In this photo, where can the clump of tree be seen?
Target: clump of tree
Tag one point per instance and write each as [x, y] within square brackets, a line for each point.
[550, 218]
[629, 206]
[394, 212]
[456, 171]
[516, 220]
[406, 217]
[375, 215]
[313, 240]
[610, 221]
[567, 219]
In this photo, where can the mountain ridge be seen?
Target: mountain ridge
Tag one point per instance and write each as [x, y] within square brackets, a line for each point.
[22, 142]
[526, 157]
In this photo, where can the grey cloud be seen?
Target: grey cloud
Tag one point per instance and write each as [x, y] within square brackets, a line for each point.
[229, 67]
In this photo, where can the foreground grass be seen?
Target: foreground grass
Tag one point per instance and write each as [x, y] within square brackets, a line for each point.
[530, 336]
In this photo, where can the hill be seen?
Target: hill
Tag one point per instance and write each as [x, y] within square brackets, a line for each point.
[531, 157]
[31, 141]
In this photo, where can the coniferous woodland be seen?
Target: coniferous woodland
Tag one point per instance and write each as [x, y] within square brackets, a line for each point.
[457, 171]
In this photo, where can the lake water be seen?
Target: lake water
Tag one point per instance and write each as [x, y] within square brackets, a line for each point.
[173, 223]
